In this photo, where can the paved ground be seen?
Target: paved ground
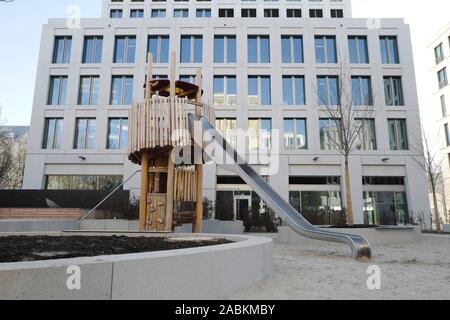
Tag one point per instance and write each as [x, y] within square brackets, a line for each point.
[419, 270]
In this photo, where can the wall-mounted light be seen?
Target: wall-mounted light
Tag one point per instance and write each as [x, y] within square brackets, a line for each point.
[316, 159]
[385, 159]
[82, 158]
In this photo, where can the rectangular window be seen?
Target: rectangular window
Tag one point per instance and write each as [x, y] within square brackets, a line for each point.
[248, 13]
[337, 13]
[57, 91]
[443, 106]
[447, 134]
[191, 49]
[85, 133]
[258, 49]
[62, 49]
[366, 139]
[271, 13]
[292, 49]
[259, 91]
[393, 91]
[442, 78]
[260, 134]
[225, 90]
[294, 13]
[88, 93]
[116, 13]
[330, 138]
[389, 50]
[224, 49]
[117, 134]
[315, 13]
[294, 90]
[361, 91]
[52, 133]
[398, 138]
[325, 49]
[328, 90]
[125, 49]
[228, 129]
[121, 90]
[226, 13]
[158, 13]
[181, 13]
[358, 49]
[106, 183]
[295, 134]
[439, 53]
[189, 78]
[136, 13]
[92, 50]
[203, 13]
[159, 47]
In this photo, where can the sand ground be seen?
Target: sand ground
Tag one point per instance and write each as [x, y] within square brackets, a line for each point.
[419, 270]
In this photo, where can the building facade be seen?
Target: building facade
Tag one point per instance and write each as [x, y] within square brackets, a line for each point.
[439, 49]
[267, 66]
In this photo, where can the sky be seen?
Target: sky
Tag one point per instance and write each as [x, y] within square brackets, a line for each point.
[21, 22]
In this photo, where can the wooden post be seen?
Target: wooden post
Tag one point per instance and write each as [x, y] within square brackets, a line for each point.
[198, 226]
[171, 167]
[144, 156]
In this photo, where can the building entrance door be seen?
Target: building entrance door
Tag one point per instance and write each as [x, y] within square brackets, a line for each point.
[242, 206]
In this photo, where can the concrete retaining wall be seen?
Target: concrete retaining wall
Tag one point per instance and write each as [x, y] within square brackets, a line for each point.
[198, 273]
[216, 226]
[446, 228]
[376, 236]
[37, 225]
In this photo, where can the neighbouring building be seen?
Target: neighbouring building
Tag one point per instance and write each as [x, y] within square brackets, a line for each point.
[264, 65]
[439, 49]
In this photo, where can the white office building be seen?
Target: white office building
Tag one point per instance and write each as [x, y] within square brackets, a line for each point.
[264, 65]
[439, 49]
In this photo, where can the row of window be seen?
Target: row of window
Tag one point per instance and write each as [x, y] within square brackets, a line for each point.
[225, 13]
[225, 49]
[225, 90]
[260, 136]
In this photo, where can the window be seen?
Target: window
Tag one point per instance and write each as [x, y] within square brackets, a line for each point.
[398, 138]
[225, 90]
[248, 13]
[92, 50]
[106, 183]
[315, 13]
[117, 134]
[258, 49]
[325, 49]
[328, 91]
[203, 13]
[385, 208]
[361, 91]
[85, 133]
[447, 134]
[52, 133]
[389, 50]
[293, 90]
[295, 134]
[57, 92]
[136, 13]
[259, 91]
[337, 13]
[224, 49]
[292, 49]
[357, 46]
[191, 49]
[330, 139]
[158, 13]
[62, 49]
[226, 13]
[294, 13]
[260, 134]
[271, 13]
[366, 138]
[181, 13]
[159, 47]
[122, 90]
[439, 53]
[115, 13]
[393, 91]
[125, 49]
[443, 106]
[187, 78]
[442, 78]
[228, 129]
[88, 93]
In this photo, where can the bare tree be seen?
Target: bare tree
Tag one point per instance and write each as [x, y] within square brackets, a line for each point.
[349, 113]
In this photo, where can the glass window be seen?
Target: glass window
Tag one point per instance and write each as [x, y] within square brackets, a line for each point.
[442, 78]
[325, 49]
[117, 133]
[292, 49]
[361, 91]
[107, 183]
[57, 91]
[125, 49]
[398, 137]
[85, 133]
[88, 94]
[122, 90]
[328, 91]
[258, 49]
[393, 91]
[260, 134]
[259, 90]
[225, 49]
[159, 47]
[389, 50]
[228, 129]
[52, 133]
[191, 49]
[225, 90]
[62, 49]
[92, 51]
[357, 46]
[366, 138]
[385, 208]
[293, 90]
[330, 138]
[439, 53]
[295, 134]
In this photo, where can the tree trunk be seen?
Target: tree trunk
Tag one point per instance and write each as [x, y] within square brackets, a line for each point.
[436, 209]
[348, 194]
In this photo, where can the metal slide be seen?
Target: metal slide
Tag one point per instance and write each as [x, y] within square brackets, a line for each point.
[359, 245]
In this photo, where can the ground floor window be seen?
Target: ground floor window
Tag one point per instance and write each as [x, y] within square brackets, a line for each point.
[385, 208]
[83, 182]
[318, 207]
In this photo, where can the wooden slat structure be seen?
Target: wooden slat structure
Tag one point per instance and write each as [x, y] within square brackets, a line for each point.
[171, 195]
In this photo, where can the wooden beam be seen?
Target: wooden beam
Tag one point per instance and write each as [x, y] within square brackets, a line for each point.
[198, 225]
[144, 191]
[148, 86]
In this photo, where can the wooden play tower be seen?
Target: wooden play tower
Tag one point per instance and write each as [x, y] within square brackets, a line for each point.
[171, 195]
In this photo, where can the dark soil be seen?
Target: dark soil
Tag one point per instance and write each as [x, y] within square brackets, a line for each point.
[34, 248]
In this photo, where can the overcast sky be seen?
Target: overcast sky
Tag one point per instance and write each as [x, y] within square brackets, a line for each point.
[21, 23]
